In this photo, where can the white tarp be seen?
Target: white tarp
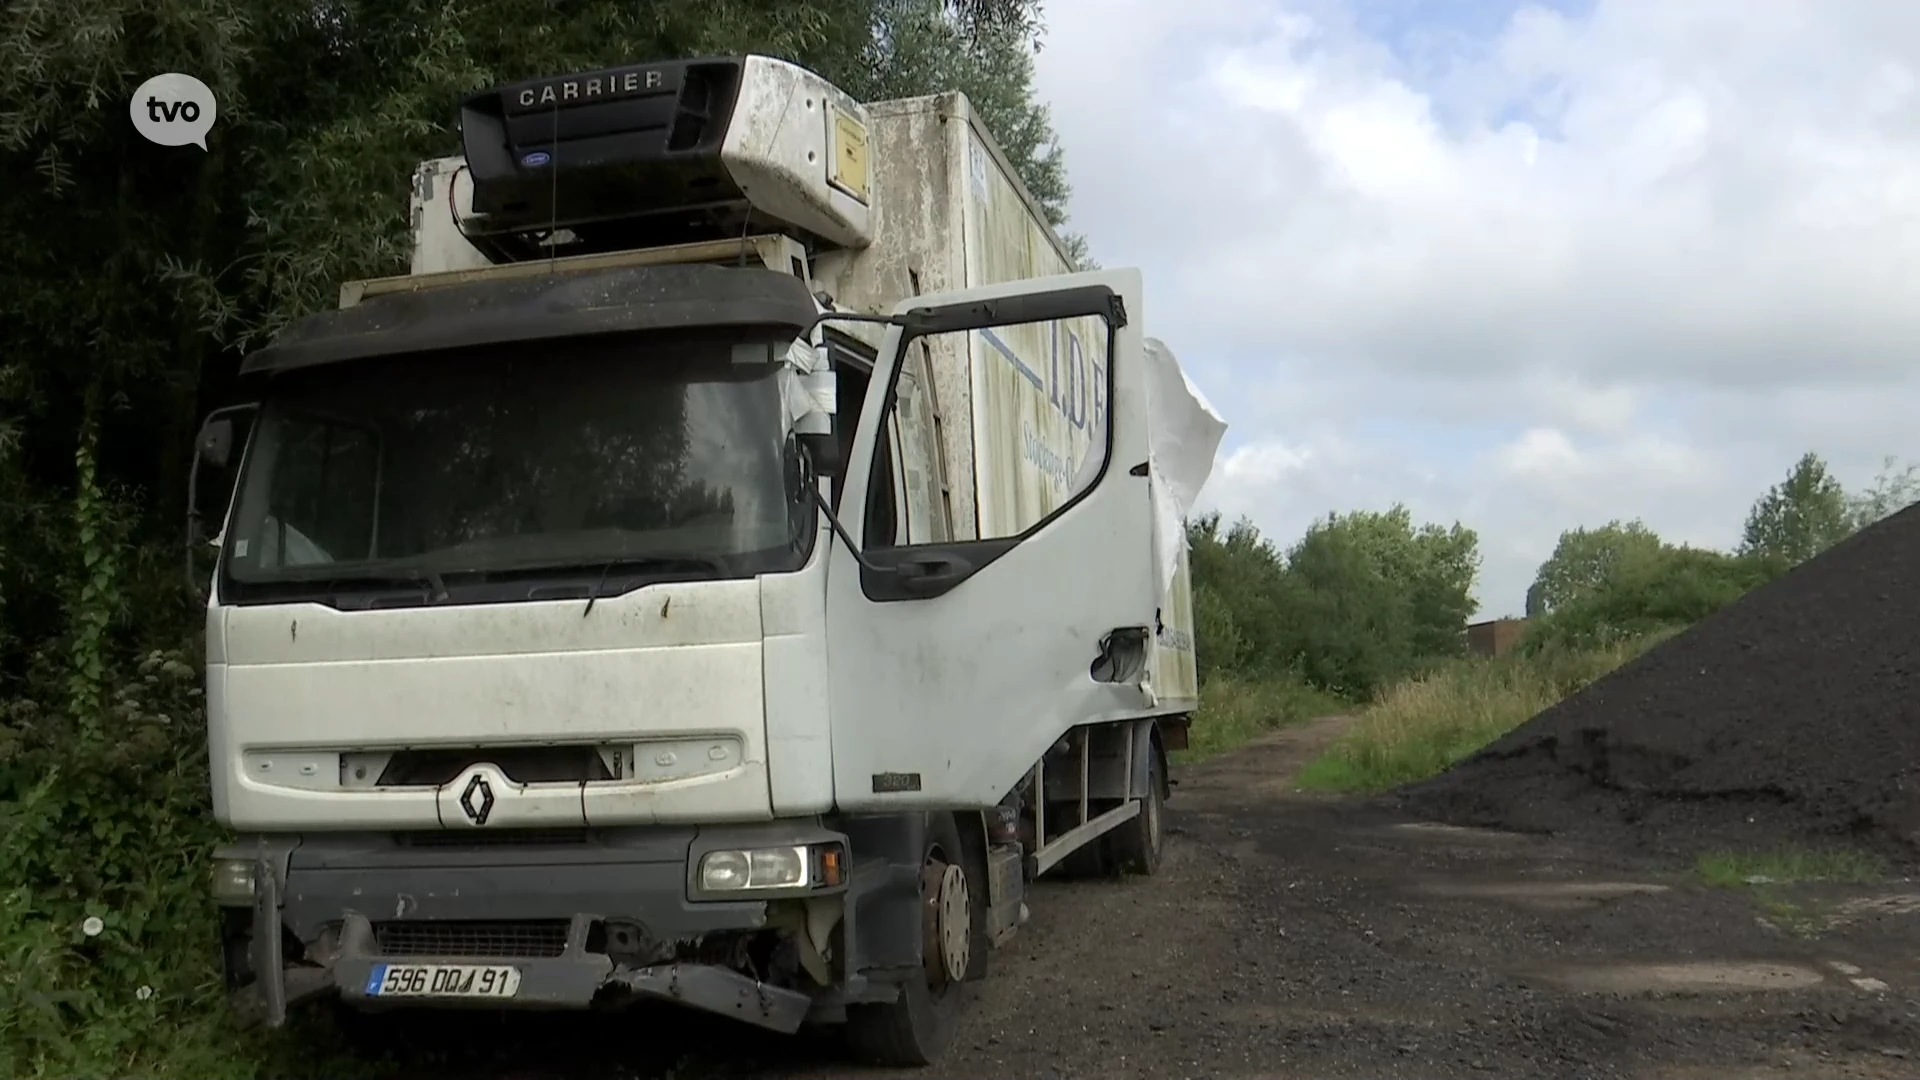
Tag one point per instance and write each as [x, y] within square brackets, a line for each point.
[1183, 434]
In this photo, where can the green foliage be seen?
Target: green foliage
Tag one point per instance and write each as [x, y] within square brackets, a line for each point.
[1801, 516]
[1790, 866]
[1361, 600]
[1648, 592]
[1420, 727]
[1242, 595]
[1236, 708]
[1381, 597]
[1620, 581]
[1583, 559]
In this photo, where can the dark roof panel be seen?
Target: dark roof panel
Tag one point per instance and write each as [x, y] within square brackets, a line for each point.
[544, 308]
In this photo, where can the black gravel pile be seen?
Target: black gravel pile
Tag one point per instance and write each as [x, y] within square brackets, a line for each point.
[1790, 717]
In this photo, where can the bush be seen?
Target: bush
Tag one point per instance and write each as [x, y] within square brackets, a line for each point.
[1234, 709]
[1650, 592]
[1362, 599]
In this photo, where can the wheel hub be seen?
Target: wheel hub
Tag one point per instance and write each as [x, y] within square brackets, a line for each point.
[947, 915]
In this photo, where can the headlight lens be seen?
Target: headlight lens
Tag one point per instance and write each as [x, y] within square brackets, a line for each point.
[755, 869]
[233, 881]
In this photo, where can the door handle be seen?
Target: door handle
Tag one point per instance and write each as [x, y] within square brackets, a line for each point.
[930, 571]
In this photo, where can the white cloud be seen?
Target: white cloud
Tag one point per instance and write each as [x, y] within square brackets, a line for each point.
[1625, 264]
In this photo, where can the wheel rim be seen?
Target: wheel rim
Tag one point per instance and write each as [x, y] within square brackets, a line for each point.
[956, 923]
[947, 907]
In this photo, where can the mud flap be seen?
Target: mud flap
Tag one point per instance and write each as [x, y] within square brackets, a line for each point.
[269, 968]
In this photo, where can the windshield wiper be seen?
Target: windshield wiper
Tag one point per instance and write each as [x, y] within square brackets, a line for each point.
[662, 562]
[426, 580]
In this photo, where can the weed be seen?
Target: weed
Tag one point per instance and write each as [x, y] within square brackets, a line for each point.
[1792, 866]
[1236, 708]
[1421, 727]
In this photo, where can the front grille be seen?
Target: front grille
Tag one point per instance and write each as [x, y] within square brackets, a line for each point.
[464, 838]
[522, 764]
[526, 939]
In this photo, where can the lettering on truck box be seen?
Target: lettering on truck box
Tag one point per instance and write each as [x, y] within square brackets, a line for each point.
[1076, 390]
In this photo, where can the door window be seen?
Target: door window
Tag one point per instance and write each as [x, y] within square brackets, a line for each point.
[1041, 402]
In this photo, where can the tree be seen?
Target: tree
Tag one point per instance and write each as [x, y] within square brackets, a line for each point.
[1243, 598]
[1582, 559]
[923, 47]
[1435, 566]
[1894, 489]
[1801, 516]
[1649, 590]
[1378, 597]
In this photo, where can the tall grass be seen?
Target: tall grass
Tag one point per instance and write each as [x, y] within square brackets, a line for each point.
[1421, 727]
[1236, 708]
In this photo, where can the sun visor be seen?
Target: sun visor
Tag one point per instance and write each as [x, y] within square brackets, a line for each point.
[544, 307]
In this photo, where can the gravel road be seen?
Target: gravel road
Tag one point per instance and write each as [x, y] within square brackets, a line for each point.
[1293, 936]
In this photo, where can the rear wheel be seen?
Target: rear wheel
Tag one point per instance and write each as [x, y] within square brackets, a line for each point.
[1135, 847]
[914, 1029]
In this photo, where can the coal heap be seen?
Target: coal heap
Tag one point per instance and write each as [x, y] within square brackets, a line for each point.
[1790, 717]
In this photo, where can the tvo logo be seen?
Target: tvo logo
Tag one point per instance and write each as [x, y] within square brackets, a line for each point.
[173, 110]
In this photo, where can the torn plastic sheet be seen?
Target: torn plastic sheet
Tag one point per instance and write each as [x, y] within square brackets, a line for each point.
[1183, 435]
[807, 397]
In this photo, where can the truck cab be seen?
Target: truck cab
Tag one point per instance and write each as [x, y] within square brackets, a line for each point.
[658, 593]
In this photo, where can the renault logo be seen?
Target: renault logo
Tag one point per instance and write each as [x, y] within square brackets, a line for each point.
[477, 801]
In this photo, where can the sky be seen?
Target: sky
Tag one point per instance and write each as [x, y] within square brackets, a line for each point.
[1523, 267]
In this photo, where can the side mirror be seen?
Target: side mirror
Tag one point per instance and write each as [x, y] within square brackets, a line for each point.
[823, 451]
[215, 445]
[798, 473]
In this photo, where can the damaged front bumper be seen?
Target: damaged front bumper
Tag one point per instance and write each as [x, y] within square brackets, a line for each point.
[353, 908]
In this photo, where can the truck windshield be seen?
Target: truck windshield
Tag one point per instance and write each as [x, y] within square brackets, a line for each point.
[609, 463]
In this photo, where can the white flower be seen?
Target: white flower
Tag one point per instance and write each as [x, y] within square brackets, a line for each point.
[143, 993]
[92, 926]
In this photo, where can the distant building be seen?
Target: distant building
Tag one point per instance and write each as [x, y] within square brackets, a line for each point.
[1495, 637]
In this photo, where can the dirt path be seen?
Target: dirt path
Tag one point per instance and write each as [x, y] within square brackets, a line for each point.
[1295, 936]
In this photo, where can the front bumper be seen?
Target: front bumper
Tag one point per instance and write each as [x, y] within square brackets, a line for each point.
[350, 906]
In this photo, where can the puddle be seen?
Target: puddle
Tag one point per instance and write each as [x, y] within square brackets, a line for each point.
[1464, 833]
[1556, 895]
[1702, 977]
[1873, 907]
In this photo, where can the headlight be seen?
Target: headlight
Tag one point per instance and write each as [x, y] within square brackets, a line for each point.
[757, 869]
[233, 882]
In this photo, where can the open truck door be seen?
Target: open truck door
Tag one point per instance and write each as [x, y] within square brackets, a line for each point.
[958, 663]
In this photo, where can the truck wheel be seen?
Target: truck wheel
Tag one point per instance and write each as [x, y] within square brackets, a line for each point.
[1136, 845]
[913, 1029]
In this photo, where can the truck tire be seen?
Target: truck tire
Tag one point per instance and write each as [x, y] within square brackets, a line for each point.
[915, 1028]
[1135, 847]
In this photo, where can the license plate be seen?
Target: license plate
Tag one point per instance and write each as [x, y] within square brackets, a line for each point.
[443, 980]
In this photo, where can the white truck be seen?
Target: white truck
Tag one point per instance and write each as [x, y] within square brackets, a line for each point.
[737, 558]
